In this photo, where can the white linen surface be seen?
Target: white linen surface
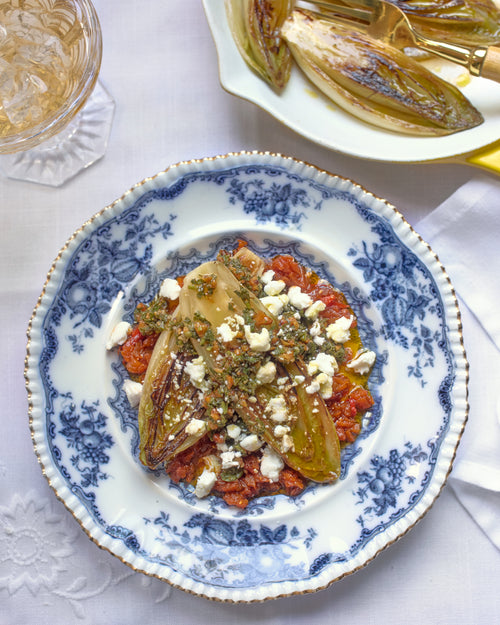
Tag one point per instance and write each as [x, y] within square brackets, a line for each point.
[465, 232]
[160, 66]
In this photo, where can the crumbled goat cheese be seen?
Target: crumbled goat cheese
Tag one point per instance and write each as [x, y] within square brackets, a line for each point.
[315, 329]
[325, 385]
[276, 406]
[274, 287]
[258, 341]
[118, 335]
[266, 373]
[313, 387]
[233, 431]
[133, 391]
[281, 430]
[325, 363]
[298, 299]
[251, 442]
[271, 464]
[229, 459]
[275, 303]
[226, 333]
[195, 427]
[170, 288]
[267, 276]
[339, 331]
[314, 309]
[287, 443]
[196, 370]
[362, 362]
[205, 483]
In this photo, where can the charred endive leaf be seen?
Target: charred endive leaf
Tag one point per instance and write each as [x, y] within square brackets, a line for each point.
[374, 81]
[315, 453]
[314, 449]
[469, 22]
[255, 25]
[169, 402]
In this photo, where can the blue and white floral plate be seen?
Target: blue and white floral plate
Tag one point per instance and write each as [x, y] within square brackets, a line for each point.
[85, 433]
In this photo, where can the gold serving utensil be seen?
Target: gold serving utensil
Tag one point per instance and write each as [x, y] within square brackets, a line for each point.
[387, 23]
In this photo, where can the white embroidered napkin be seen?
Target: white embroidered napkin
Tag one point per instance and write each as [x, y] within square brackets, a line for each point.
[464, 232]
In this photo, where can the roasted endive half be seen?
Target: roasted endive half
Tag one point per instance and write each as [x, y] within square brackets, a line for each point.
[468, 22]
[255, 26]
[311, 446]
[169, 402]
[375, 82]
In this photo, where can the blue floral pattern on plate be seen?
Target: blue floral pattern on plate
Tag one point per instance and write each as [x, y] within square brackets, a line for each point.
[86, 433]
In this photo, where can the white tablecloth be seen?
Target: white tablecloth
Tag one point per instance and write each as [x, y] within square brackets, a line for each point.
[160, 65]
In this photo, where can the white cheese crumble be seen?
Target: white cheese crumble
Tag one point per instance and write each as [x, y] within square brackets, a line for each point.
[229, 459]
[314, 309]
[196, 427]
[205, 483]
[233, 431]
[339, 331]
[196, 370]
[275, 303]
[281, 430]
[362, 362]
[267, 276]
[298, 299]
[313, 387]
[277, 408]
[266, 373]
[170, 289]
[271, 464]
[118, 335]
[226, 333]
[274, 287]
[325, 363]
[315, 329]
[133, 391]
[251, 442]
[325, 385]
[258, 341]
[286, 443]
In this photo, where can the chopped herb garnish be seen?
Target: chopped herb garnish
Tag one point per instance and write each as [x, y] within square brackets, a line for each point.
[204, 286]
[154, 318]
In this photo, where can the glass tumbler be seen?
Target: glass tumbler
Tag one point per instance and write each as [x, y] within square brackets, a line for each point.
[55, 117]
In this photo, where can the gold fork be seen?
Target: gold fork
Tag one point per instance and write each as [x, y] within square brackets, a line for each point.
[387, 23]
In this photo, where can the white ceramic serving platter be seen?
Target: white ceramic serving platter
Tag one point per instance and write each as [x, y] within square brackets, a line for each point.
[85, 433]
[304, 109]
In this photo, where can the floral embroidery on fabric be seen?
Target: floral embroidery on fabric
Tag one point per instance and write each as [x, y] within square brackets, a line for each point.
[38, 546]
[34, 543]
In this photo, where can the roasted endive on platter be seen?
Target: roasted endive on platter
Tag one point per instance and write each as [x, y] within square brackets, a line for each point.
[369, 78]
[467, 22]
[249, 375]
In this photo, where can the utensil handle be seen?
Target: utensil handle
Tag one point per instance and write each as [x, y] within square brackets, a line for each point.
[491, 64]
[487, 158]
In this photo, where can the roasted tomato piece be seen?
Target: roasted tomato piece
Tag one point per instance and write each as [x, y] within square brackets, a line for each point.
[136, 352]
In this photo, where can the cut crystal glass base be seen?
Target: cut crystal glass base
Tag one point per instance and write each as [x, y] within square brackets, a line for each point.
[80, 144]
